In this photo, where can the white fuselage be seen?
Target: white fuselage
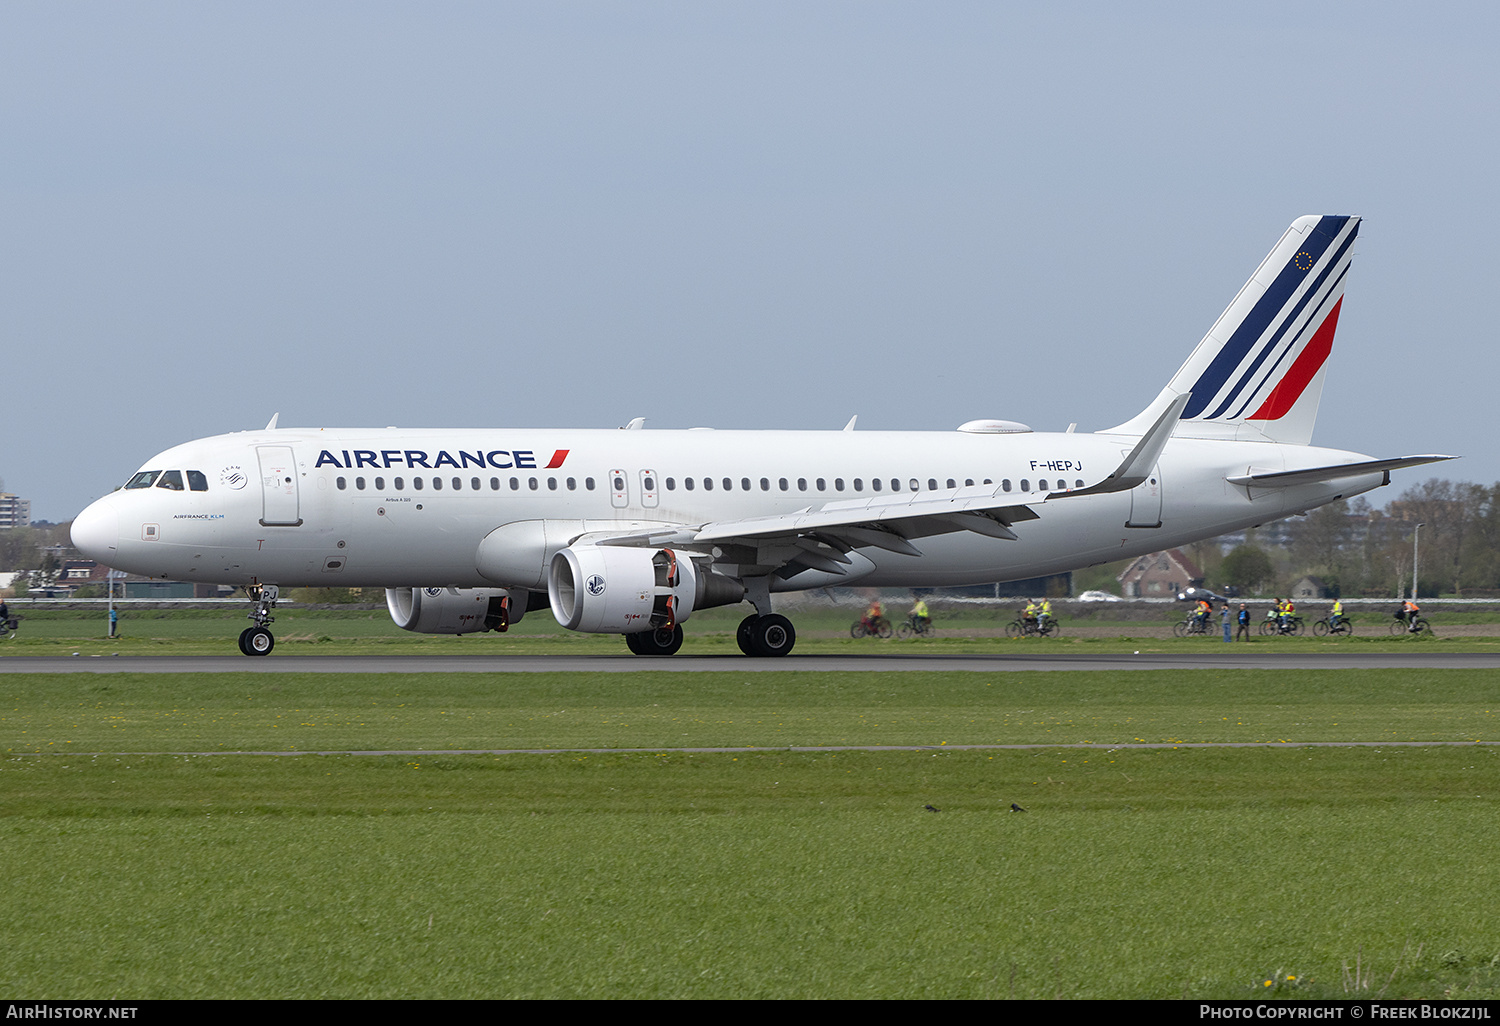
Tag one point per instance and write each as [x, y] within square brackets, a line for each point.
[361, 508]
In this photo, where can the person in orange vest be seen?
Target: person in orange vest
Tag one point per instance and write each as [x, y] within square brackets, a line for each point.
[1411, 609]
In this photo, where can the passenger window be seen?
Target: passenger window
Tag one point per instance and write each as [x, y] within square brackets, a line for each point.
[198, 482]
[874, 483]
[708, 484]
[398, 483]
[380, 484]
[1025, 485]
[588, 483]
[515, 484]
[1078, 484]
[572, 484]
[341, 483]
[437, 483]
[145, 479]
[473, 483]
[619, 483]
[782, 482]
[728, 485]
[494, 484]
[801, 484]
[416, 483]
[687, 483]
[838, 484]
[952, 483]
[171, 480]
[552, 484]
[822, 485]
[744, 484]
[531, 483]
[765, 484]
[359, 483]
[1062, 485]
[968, 482]
[859, 485]
[1005, 484]
[671, 484]
[931, 484]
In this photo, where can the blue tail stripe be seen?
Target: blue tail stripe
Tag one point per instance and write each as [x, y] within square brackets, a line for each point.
[1291, 319]
[1255, 323]
[1325, 304]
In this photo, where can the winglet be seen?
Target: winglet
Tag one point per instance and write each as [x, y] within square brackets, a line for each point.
[1137, 465]
[850, 426]
[271, 424]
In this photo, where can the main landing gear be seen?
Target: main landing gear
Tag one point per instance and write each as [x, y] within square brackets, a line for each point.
[663, 641]
[769, 635]
[257, 640]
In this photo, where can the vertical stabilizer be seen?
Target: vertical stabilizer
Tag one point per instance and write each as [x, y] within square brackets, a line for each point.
[1258, 373]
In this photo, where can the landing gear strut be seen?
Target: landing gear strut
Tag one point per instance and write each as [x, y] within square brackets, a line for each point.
[769, 635]
[257, 640]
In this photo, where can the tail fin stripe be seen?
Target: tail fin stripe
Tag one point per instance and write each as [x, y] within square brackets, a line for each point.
[1272, 302]
[1287, 391]
[1333, 295]
[1293, 318]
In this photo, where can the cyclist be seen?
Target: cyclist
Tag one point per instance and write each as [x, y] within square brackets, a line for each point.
[1202, 613]
[919, 615]
[873, 614]
[1336, 613]
[1288, 610]
[1030, 615]
[1045, 612]
[1411, 609]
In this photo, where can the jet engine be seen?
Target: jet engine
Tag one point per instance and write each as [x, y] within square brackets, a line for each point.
[603, 589]
[455, 610]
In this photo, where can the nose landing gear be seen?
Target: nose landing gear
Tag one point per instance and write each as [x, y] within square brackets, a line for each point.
[257, 640]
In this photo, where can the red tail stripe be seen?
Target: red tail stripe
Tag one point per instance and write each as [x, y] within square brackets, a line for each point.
[1286, 393]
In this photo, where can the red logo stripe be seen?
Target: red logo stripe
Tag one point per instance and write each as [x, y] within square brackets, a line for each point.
[1286, 393]
[562, 454]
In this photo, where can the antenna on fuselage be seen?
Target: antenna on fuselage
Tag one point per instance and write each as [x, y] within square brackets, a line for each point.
[271, 424]
[850, 426]
[635, 424]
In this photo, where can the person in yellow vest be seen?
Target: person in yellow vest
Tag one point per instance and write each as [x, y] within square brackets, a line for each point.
[1336, 613]
[1030, 614]
[919, 613]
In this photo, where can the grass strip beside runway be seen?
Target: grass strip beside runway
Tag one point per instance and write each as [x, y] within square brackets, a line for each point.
[1164, 874]
[321, 712]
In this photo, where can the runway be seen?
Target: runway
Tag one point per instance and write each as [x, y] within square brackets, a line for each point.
[884, 663]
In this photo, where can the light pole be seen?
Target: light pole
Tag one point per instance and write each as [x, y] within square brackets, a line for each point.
[1414, 535]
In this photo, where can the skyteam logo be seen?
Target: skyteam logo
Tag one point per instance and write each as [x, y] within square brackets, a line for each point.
[595, 585]
[433, 592]
[233, 477]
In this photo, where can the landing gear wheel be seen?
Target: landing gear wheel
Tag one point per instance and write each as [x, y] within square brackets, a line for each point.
[745, 633]
[771, 635]
[663, 641]
[257, 641]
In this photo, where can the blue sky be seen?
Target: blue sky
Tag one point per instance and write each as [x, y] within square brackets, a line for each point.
[738, 215]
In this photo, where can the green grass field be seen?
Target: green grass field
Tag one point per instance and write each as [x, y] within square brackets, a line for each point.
[1171, 873]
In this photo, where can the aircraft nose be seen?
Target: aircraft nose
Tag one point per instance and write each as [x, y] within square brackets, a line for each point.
[96, 531]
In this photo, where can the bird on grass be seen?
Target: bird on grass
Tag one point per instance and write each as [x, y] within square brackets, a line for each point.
[1016, 808]
[932, 808]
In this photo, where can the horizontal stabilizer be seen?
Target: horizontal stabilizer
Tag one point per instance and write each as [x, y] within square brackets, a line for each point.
[1288, 478]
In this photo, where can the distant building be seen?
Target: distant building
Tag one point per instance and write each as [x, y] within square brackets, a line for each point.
[1160, 575]
[14, 510]
[1312, 588]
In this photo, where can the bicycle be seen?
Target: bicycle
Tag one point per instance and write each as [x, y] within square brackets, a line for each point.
[9, 627]
[1042, 627]
[1190, 625]
[1340, 626]
[879, 627]
[1400, 626]
[914, 626]
[1275, 625]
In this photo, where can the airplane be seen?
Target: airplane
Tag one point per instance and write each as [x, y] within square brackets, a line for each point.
[632, 531]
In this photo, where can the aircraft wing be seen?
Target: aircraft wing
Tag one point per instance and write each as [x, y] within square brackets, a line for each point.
[1288, 478]
[819, 537]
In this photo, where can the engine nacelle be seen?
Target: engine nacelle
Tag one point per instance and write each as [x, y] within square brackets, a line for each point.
[455, 610]
[605, 589]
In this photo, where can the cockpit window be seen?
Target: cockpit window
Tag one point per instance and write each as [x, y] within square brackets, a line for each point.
[197, 481]
[171, 479]
[144, 479]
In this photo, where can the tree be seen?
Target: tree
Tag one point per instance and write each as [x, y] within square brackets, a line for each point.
[1247, 568]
